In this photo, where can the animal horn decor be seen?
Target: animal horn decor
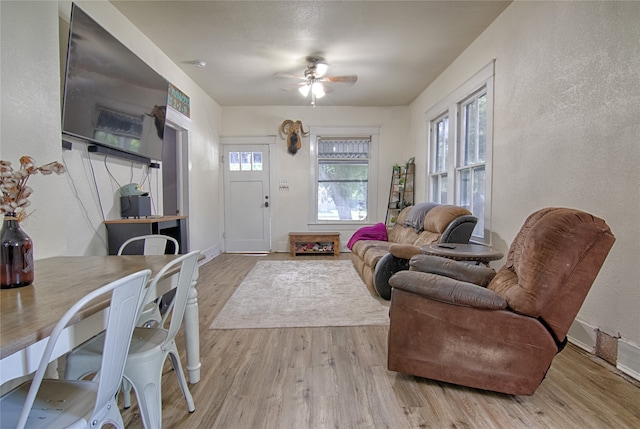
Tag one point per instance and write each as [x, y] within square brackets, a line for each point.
[294, 132]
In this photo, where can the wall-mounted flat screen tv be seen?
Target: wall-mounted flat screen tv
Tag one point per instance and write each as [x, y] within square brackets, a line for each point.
[111, 97]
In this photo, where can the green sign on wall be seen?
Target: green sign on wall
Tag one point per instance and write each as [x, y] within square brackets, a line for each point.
[179, 101]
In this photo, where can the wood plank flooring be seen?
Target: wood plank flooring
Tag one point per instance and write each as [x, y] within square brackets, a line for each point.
[337, 378]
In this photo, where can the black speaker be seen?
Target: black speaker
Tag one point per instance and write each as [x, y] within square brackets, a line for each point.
[135, 206]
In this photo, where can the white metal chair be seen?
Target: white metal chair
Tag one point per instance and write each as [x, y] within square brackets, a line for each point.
[149, 348]
[45, 403]
[152, 245]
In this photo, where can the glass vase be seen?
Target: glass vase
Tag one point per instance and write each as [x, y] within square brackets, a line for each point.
[16, 254]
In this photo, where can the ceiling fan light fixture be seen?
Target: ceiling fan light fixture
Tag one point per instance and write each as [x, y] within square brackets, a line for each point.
[317, 89]
[304, 90]
[314, 79]
[321, 69]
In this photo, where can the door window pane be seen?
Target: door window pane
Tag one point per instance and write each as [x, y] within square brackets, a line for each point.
[257, 161]
[245, 161]
[234, 161]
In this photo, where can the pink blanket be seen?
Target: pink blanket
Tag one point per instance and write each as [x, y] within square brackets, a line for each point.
[375, 232]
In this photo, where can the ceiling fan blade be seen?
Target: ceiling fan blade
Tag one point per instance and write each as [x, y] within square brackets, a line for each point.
[294, 86]
[340, 79]
[289, 75]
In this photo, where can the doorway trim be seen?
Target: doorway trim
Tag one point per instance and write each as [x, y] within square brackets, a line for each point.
[269, 140]
[182, 125]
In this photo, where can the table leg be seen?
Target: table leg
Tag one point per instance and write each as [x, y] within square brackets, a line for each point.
[192, 333]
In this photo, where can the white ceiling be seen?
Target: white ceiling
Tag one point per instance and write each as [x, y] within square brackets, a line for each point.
[397, 48]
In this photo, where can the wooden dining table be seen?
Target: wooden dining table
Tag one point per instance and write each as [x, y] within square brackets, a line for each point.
[29, 314]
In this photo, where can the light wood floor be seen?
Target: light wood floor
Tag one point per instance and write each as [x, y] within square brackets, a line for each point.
[337, 378]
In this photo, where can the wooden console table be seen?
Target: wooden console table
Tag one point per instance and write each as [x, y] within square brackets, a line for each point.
[313, 238]
[120, 230]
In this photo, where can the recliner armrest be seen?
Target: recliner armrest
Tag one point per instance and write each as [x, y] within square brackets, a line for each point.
[404, 251]
[447, 290]
[476, 274]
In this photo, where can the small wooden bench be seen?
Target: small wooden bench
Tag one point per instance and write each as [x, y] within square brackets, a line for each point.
[321, 239]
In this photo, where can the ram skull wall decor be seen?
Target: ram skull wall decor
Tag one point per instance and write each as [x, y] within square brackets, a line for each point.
[293, 132]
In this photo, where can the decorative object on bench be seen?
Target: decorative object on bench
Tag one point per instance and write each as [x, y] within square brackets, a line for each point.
[314, 243]
[416, 226]
[293, 131]
[445, 325]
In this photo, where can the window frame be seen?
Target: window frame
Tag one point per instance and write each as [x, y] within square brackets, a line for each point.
[372, 181]
[438, 175]
[452, 107]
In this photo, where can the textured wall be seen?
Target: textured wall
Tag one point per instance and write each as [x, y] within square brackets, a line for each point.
[290, 208]
[566, 131]
[30, 116]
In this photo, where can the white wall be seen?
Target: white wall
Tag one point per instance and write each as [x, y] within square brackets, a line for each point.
[203, 166]
[70, 209]
[290, 211]
[30, 115]
[566, 131]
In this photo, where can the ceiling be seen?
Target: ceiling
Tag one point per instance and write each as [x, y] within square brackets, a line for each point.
[396, 48]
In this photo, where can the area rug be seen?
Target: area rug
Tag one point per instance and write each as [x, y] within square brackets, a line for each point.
[283, 294]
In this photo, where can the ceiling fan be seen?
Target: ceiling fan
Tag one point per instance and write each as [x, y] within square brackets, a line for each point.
[314, 80]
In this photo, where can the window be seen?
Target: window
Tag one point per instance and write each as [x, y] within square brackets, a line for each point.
[460, 143]
[440, 149]
[471, 163]
[245, 161]
[342, 173]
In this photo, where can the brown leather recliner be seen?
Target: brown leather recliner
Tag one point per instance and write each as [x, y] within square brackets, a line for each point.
[469, 325]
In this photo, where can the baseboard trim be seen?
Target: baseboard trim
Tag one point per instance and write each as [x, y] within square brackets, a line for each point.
[584, 336]
[210, 253]
[629, 358]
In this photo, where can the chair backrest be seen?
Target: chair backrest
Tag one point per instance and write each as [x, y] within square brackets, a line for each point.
[154, 244]
[186, 264]
[126, 297]
[428, 223]
[459, 230]
[446, 224]
[551, 265]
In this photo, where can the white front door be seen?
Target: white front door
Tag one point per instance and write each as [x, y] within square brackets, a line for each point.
[246, 197]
